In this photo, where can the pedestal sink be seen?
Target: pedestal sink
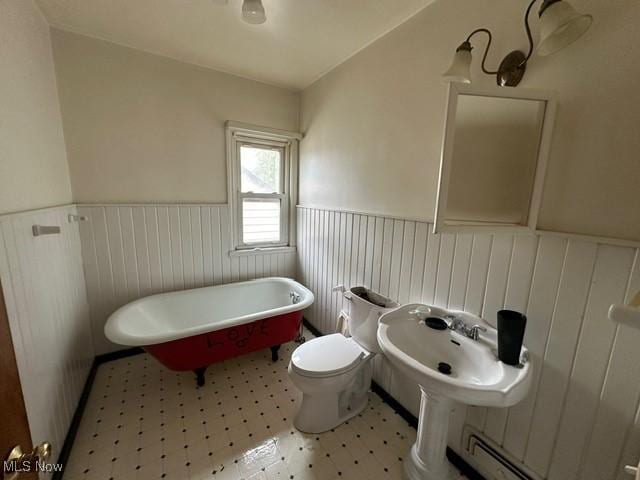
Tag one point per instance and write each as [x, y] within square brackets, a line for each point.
[449, 367]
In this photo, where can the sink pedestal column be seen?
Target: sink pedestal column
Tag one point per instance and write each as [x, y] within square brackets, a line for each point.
[427, 460]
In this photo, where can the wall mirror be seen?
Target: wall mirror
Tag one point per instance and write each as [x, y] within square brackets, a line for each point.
[494, 155]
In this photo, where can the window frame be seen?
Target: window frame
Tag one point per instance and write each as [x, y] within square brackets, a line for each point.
[239, 135]
[281, 197]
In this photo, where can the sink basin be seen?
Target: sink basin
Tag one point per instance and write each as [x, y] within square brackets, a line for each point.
[449, 367]
[477, 376]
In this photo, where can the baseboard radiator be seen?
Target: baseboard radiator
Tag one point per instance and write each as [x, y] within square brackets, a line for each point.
[491, 463]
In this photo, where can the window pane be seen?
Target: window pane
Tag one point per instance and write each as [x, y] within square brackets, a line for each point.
[260, 170]
[260, 221]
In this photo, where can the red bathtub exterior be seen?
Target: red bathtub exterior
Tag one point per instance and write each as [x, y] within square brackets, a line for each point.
[199, 351]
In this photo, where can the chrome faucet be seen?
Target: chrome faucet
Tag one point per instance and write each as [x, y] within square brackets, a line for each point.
[458, 325]
[474, 332]
[295, 297]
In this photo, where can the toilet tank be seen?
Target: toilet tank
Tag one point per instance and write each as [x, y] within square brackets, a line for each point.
[366, 309]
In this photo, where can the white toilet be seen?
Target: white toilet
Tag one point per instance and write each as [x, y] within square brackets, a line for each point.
[334, 372]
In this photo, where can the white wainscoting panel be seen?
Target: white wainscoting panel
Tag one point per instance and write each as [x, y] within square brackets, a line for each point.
[581, 419]
[44, 290]
[131, 251]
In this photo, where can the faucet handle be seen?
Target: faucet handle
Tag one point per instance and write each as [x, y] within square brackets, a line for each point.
[474, 332]
[455, 323]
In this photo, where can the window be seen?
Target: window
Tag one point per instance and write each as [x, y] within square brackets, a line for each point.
[261, 193]
[262, 165]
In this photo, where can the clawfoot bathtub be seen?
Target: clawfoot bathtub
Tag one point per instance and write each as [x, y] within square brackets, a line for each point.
[191, 329]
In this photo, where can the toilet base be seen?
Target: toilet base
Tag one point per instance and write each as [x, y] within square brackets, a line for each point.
[319, 413]
[329, 401]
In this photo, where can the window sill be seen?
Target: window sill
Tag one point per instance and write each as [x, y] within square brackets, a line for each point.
[260, 251]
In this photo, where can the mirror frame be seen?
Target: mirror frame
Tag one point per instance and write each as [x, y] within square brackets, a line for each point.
[455, 89]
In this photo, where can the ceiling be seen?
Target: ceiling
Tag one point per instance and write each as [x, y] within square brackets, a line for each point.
[301, 40]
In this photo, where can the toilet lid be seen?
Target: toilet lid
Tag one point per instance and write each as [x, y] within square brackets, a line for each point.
[326, 356]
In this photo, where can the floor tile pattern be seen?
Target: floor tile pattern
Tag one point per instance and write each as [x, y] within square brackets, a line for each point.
[143, 421]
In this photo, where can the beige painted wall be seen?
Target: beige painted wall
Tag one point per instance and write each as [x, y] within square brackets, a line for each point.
[33, 163]
[143, 128]
[373, 126]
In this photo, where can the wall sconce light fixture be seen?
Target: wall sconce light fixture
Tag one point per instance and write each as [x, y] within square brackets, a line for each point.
[560, 26]
[253, 12]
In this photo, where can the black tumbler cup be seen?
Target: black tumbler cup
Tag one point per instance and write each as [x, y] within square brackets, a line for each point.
[511, 327]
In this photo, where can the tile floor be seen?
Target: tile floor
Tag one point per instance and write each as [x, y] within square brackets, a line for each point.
[143, 421]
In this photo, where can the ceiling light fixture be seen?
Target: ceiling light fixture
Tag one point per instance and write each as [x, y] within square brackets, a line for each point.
[253, 12]
[560, 26]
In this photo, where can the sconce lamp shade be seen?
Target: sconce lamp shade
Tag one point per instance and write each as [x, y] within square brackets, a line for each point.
[560, 26]
[253, 12]
[460, 69]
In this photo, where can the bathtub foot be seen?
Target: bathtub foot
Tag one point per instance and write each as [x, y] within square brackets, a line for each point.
[200, 375]
[274, 353]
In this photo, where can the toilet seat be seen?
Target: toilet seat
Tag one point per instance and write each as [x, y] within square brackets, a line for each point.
[327, 356]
